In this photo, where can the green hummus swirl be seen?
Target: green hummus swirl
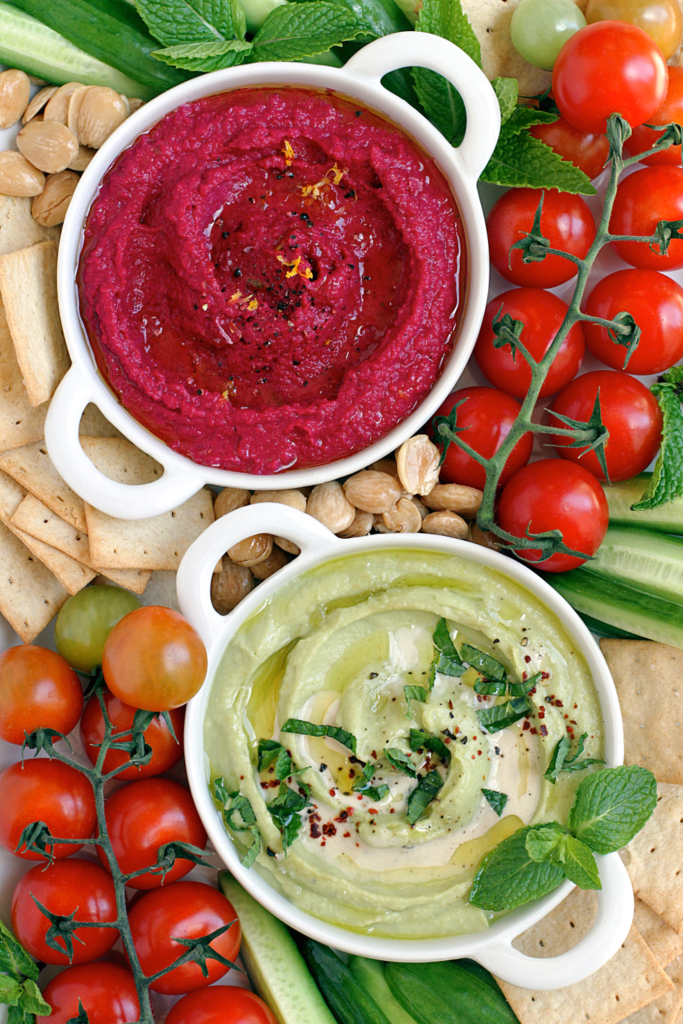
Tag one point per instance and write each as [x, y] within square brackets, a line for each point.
[336, 646]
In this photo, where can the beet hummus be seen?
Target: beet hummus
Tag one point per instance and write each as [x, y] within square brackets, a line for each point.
[272, 278]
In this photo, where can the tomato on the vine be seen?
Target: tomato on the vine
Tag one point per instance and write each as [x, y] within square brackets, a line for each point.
[37, 688]
[166, 751]
[85, 621]
[182, 910]
[542, 314]
[605, 68]
[485, 419]
[154, 659]
[661, 19]
[586, 150]
[566, 222]
[643, 200]
[552, 495]
[644, 138]
[629, 411]
[655, 302]
[106, 991]
[49, 791]
[143, 816]
[220, 1004]
[64, 887]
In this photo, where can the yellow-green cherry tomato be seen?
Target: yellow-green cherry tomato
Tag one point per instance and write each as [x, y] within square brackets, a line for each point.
[661, 19]
[85, 622]
[540, 28]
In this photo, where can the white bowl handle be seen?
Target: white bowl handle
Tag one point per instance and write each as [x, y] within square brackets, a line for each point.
[615, 916]
[123, 501]
[422, 49]
[194, 575]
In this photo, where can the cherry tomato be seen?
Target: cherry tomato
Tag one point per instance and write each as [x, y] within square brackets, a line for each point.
[154, 659]
[143, 816]
[37, 688]
[64, 887]
[220, 1004]
[566, 222]
[182, 910]
[606, 68]
[554, 495]
[165, 750]
[542, 314]
[656, 304]
[49, 791]
[630, 413]
[661, 19]
[643, 199]
[486, 417]
[644, 138]
[85, 621]
[587, 151]
[106, 991]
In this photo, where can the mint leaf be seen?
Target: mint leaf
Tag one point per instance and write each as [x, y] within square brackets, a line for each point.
[285, 810]
[484, 663]
[235, 803]
[541, 843]
[295, 31]
[578, 862]
[31, 999]
[496, 799]
[192, 21]
[400, 761]
[611, 806]
[522, 688]
[427, 788]
[270, 751]
[446, 659]
[14, 960]
[519, 160]
[560, 762]
[10, 991]
[205, 56]
[446, 18]
[420, 740]
[525, 117]
[415, 693]
[666, 482]
[444, 642]
[378, 17]
[297, 725]
[363, 783]
[508, 877]
[491, 687]
[500, 716]
[506, 89]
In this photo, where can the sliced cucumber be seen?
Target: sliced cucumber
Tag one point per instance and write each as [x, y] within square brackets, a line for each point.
[604, 629]
[445, 992]
[620, 497]
[275, 967]
[370, 974]
[32, 47]
[645, 559]
[350, 1002]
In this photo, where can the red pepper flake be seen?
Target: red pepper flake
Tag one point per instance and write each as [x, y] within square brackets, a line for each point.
[391, 810]
[324, 842]
[544, 730]
[474, 737]
[541, 712]
[373, 753]
[347, 835]
[533, 731]
[559, 704]
[349, 810]
[447, 739]
[457, 729]
[315, 830]
[532, 691]
[372, 810]
[242, 778]
[329, 829]
[473, 757]
[572, 721]
[342, 817]
[479, 752]
[545, 675]
[527, 658]
[359, 798]
[566, 716]
[527, 724]
[332, 792]
[575, 706]
[525, 676]
[450, 704]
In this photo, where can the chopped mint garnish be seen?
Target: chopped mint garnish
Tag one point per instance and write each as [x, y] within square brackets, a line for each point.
[235, 803]
[297, 725]
[415, 693]
[400, 761]
[420, 740]
[285, 810]
[270, 751]
[559, 762]
[496, 799]
[427, 788]
[500, 716]
[363, 783]
[484, 663]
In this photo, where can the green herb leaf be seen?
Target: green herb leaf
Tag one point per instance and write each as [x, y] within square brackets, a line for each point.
[205, 56]
[427, 788]
[484, 663]
[524, 686]
[31, 999]
[10, 991]
[415, 693]
[578, 863]
[523, 118]
[235, 803]
[491, 687]
[519, 160]
[420, 740]
[611, 806]
[508, 877]
[363, 783]
[400, 761]
[541, 843]
[444, 642]
[560, 762]
[446, 659]
[270, 751]
[294, 31]
[14, 960]
[500, 716]
[506, 89]
[446, 18]
[285, 811]
[297, 725]
[496, 799]
[666, 482]
[190, 21]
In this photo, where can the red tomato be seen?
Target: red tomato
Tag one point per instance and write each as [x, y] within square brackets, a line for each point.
[37, 688]
[49, 791]
[220, 1004]
[644, 138]
[182, 910]
[554, 495]
[154, 659]
[64, 887]
[609, 67]
[643, 199]
[542, 314]
[630, 413]
[143, 816]
[486, 416]
[566, 222]
[585, 150]
[165, 750]
[656, 304]
[106, 991]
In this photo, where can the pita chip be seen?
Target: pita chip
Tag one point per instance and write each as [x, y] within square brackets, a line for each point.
[654, 859]
[130, 579]
[649, 681]
[31, 466]
[38, 520]
[666, 1009]
[665, 943]
[11, 496]
[633, 978]
[70, 573]
[18, 229]
[20, 422]
[120, 460]
[28, 283]
[30, 595]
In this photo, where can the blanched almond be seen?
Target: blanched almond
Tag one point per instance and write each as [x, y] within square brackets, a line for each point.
[328, 504]
[417, 462]
[362, 523]
[405, 518]
[49, 208]
[229, 499]
[82, 158]
[455, 498]
[15, 92]
[277, 559]
[230, 586]
[18, 177]
[386, 466]
[57, 106]
[487, 540]
[372, 490]
[74, 108]
[38, 102]
[445, 524]
[292, 498]
[252, 550]
[101, 113]
[134, 102]
[420, 506]
[48, 145]
[287, 545]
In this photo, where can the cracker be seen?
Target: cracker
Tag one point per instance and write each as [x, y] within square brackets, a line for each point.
[665, 943]
[36, 519]
[654, 859]
[156, 543]
[11, 496]
[666, 1009]
[93, 424]
[20, 422]
[120, 460]
[18, 229]
[649, 681]
[30, 595]
[28, 283]
[632, 979]
[130, 579]
[31, 466]
[73, 575]
[161, 590]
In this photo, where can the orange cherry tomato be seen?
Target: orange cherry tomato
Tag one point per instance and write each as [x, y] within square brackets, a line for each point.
[37, 688]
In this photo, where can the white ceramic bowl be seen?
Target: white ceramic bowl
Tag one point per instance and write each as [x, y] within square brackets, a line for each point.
[360, 79]
[492, 948]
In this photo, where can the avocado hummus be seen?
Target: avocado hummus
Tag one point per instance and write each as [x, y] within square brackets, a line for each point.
[386, 839]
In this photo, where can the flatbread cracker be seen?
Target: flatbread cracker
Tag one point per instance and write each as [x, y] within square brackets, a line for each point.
[31, 466]
[70, 573]
[654, 859]
[18, 229]
[120, 460]
[130, 579]
[161, 590]
[20, 422]
[93, 424]
[28, 283]
[649, 681]
[665, 943]
[11, 496]
[666, 1009]
[35, 518]
[30, 595]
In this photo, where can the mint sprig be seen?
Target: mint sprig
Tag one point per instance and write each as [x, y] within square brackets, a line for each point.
[508, 877]
[18, 977]
[205, 57]
[173, 22]
[666, 482]
[611, 806]
[567, 852]
[295, 31]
